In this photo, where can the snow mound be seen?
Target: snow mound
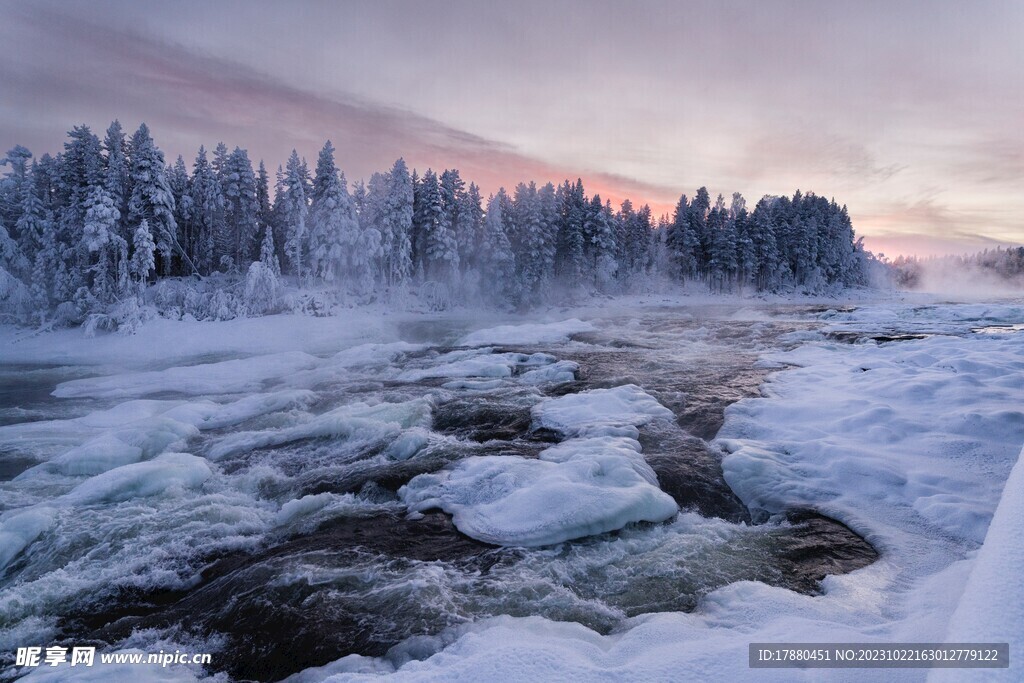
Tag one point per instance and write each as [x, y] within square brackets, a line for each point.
[143, 479]
[577, 488]
[561, 371]
[481, 363]
[594, 412]
[526, 334]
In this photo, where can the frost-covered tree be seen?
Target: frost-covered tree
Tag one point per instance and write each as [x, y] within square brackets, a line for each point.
[569, 259]
[206, 217]
[438, 252]
[261, 288]
[268, 252]
[13, 186]
[721, 246]
[339, 248]
[601, 245]
[240, 209]
[152, 200]
[469, 228]
[103, 244]
[682, 243]
[117, 175]
[394, 221]
[143, 260]
[293, 212]
[496, 260]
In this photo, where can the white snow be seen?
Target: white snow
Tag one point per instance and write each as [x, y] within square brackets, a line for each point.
[597, 410]
[583, 486]
[230, 376]
[577, 488]
[526, 334]
[991, 608]
[483, 363]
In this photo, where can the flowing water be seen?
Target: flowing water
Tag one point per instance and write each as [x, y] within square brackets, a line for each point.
[272, 586]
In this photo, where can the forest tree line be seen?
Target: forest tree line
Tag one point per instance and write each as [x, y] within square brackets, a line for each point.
[91, 227]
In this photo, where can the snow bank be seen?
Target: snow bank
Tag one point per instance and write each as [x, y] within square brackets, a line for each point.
[230, 376]
[926, 430]
[578, 488]
[597, 410]
[526, 334]
[992, 607]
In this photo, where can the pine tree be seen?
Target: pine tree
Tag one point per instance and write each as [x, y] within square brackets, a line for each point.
[496, 260]
[469, 228]
[396, 225]
[143, 259]
[294, 210]
[13, 186]
[117, 176]
[601, 245]
[569, 259]
[103, 243]
[439, 254]
[206, 217]
[240, 216]
[152, 199]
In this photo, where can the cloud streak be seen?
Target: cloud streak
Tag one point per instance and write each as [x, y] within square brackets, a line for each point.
[186, 96]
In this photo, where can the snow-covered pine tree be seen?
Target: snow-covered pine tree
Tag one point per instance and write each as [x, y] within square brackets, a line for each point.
[15, 294]
[601, 245]
[239, 186]
[143, 260]
[452, 189]
[525, 237]
[440, 253]
[548, 238]
[206, 217]
[13, 187]
[678, 241]
[268, 252]
[722, 247]
[698, 220]
[293, 213]
[396, 224]
[469, 228]
[496, 260]
[103, 244]
[152, 199]
[569, 260]
[117, 175]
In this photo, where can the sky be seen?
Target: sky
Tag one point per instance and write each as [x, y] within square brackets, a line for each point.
[910, 113]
